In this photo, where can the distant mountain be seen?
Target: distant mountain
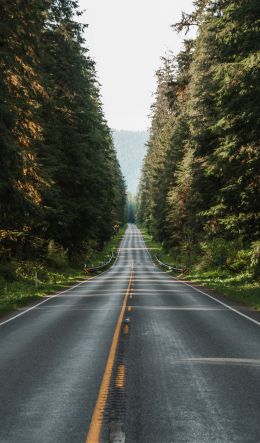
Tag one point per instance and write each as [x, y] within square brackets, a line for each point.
[131, 149]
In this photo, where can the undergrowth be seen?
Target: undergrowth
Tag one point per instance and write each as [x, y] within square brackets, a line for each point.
[22, 282]
[229, 278]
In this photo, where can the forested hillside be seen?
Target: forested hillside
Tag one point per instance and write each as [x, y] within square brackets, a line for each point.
[131, 149]
[61, 186]
[199, 193]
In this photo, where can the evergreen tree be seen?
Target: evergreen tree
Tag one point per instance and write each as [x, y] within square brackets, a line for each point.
[60, 180]
[201, 181]
[224, 91]
[22, 90]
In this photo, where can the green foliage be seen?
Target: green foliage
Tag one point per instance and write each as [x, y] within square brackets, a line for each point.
[200, 189]
[220, 253]
[60, 180]
[111, 246]
[238, 284]
[255, 258]
[29, 271]
[238, 287]
[24, 281]
[56, 255]
[7, 271]
[131, 208]
[26, 288]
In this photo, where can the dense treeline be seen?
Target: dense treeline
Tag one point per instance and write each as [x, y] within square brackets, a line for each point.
[60, 184]
[199, 192]
[131, 209]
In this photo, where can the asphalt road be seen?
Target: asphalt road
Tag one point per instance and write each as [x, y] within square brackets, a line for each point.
[187, 368]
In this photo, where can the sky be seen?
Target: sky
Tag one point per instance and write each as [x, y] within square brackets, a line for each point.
[127, 38]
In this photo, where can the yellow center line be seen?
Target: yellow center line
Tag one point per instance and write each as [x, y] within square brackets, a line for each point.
[97, 416]
[126, 330]
[120, 378]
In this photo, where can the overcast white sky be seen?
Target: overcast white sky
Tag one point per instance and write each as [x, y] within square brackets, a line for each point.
[126, 38]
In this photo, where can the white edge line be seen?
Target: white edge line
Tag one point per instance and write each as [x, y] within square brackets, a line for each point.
[223, 304]
[210, 296]
[38, 304]
[59, 293]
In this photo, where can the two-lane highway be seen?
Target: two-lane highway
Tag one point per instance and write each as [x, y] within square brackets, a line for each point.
[185, 368]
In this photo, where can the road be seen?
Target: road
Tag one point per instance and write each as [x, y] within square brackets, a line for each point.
[130, 352]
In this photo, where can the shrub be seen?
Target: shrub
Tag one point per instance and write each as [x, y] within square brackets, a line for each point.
[28, 270]
[240, 262]
[7, 271]
[255, 258]
[214, 253]
[225, 254]
[56, 255]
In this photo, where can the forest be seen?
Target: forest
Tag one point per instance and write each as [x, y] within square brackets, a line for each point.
[61, 188]
[62, 192]
[199, 191]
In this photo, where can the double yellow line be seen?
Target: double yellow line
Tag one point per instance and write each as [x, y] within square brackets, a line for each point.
[97, 417]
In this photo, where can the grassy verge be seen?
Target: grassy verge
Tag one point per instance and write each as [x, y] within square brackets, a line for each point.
[20, 286]
[241, 288]
[111, 246]
[156, 248]
[14, 294]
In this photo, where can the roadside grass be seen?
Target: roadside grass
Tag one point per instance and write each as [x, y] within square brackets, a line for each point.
[15, 294]
[156, 248]
[112, 245]
[24, 288]
[241, 287]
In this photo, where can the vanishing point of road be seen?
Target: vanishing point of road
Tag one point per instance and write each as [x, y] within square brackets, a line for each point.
[130, 355]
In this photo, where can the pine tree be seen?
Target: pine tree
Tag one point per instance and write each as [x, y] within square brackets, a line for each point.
[224, 91]
[205, 185]
[22, 91]
[60, 179]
